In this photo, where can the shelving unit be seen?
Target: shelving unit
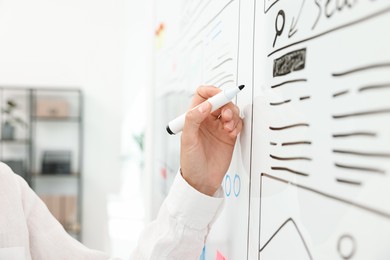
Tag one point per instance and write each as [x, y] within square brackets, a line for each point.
[54, 127]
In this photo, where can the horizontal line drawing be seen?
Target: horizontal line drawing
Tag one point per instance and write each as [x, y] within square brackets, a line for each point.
[359, 168]
[296, 143]
[288, 82]
[368, 17]
[353, 134]
[223, 55]
[288, 126]
[359, 69]
[215, 76]
[345, 181]
[289, 170]
[288, 101]
[223, 78]
[221, 63]
[374, 87]
[367, 154]
[330, 196]
[280, 103]
[363, 113]
[289, 158]
[337, 94]
[292, 143]
[304, 98]
[225, 82]
[289, 220]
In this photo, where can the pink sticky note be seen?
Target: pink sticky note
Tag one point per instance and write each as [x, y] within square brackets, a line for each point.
[220, 256]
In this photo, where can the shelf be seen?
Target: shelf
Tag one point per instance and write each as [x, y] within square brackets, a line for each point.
[15, 141]
[54, 176]
[56, 185]
[57, 119]
[54, 120]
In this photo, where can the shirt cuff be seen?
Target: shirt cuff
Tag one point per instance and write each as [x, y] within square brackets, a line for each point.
[191, 207]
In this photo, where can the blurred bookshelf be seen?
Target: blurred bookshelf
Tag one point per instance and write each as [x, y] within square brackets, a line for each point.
[42, 141]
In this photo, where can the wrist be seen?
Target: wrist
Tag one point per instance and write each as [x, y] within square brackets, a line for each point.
[199, 185]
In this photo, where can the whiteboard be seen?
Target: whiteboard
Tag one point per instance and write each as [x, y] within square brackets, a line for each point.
[310, 174]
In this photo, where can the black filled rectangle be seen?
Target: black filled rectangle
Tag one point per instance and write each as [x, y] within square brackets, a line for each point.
[292, 61]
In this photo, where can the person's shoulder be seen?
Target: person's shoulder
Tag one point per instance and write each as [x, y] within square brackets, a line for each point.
[6, 172]
[8, 179]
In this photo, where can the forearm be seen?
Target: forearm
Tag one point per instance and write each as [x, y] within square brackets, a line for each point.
[182, 225]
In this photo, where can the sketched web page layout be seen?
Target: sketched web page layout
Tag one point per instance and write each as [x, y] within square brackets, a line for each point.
[321, 100]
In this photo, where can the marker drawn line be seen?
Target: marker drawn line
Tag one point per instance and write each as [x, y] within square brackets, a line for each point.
[355, 204]
[299, 233]
[218, 33]
[382, 155]
[269, 7]
[368, 67]
[280, 103]
[289, 158]
[215, 27]
[196, 45]
[288, 126]
[296, 143]
[289, 170]
[368, 134]
[374, 87]
[223, 55]
[340, 93]
[304, 98]
[215, 76]
[221, 63]
[345, 181]
[288, 82]
[225, 82]
[224, 77]
[272, 143]
[288, 101]
[293, 25]
[187, 29]
[368, 17]
[358, 168]
[363, 113]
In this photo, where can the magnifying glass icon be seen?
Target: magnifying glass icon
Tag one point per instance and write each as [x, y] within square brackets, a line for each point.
[279, 31]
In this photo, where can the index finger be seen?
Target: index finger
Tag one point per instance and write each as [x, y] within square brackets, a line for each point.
[203, 93]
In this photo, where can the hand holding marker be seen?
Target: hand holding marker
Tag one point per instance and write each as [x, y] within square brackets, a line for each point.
[217, 101]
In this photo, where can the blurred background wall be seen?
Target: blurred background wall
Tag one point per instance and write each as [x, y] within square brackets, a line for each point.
[105, 48]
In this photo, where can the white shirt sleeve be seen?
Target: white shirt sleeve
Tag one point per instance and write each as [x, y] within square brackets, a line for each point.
[47, 238]
[179, 232]
[182, 225]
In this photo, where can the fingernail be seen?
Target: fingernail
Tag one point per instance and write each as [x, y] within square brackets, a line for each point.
[228, 113]
[204, 107]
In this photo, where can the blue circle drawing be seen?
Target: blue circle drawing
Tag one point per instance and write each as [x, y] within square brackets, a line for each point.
[236, 189]
[227, 177]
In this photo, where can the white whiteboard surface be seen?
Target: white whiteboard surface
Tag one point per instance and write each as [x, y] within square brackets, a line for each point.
[321, 111]
[310, 174]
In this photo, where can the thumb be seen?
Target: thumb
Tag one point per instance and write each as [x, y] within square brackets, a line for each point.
[194, 119]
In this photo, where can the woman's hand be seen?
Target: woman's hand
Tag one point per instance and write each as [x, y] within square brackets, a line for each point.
[207, 141]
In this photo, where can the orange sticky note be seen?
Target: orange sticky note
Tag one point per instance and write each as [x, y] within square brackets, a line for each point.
[220, 256]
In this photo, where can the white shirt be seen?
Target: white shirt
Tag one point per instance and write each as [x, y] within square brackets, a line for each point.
[28, 230]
